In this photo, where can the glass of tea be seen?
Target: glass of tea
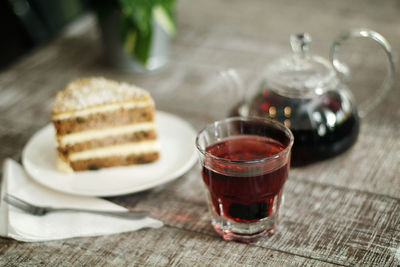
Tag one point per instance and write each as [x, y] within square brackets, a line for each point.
[245, 163]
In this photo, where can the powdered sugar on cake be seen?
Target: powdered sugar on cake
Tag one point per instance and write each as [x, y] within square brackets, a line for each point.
[94, 92]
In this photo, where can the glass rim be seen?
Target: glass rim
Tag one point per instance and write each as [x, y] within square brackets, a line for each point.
[275, 123]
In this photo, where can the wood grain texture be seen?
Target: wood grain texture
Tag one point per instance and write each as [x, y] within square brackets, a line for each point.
[167, 247]
[343, 211]
[315, 220]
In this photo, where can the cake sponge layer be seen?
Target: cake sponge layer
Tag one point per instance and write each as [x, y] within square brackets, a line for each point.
[108, 119]
[112, 161]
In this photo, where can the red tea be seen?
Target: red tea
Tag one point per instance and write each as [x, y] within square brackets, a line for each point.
[240, 193]
[310, 145]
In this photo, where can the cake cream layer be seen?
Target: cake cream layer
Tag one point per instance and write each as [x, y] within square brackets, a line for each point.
[108, 141]
[89, 135]
[102, 109]
[63, 166]
[112, 118]
[136, 148]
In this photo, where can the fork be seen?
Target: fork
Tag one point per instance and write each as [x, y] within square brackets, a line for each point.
[40, 210]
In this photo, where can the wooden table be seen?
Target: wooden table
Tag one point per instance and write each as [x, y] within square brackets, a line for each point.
[343, 211]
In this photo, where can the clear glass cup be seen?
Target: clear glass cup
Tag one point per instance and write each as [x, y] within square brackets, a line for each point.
[245, 163]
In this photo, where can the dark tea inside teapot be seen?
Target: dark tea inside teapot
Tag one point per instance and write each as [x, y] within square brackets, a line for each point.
[305, 93]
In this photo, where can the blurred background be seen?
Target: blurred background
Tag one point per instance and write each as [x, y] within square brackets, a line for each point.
[27, 23]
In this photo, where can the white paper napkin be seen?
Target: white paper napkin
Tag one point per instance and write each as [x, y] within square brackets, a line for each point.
[29, 228]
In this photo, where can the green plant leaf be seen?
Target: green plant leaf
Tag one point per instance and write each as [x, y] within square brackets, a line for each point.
[127, 31]
[136, 24]
[138, 12]
[164, 19]
[143, 46]
[129, 42]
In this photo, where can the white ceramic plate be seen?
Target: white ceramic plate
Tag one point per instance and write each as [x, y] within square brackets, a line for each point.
[177, 156]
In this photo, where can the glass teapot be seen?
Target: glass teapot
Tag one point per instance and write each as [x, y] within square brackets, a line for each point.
[309, 95]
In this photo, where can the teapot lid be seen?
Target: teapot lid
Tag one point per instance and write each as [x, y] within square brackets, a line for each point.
[300, 74]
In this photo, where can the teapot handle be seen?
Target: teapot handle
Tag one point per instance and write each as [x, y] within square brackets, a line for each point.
[235, 86]
[343, 72]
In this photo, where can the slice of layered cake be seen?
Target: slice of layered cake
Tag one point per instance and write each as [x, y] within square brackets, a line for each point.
[101, 123]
